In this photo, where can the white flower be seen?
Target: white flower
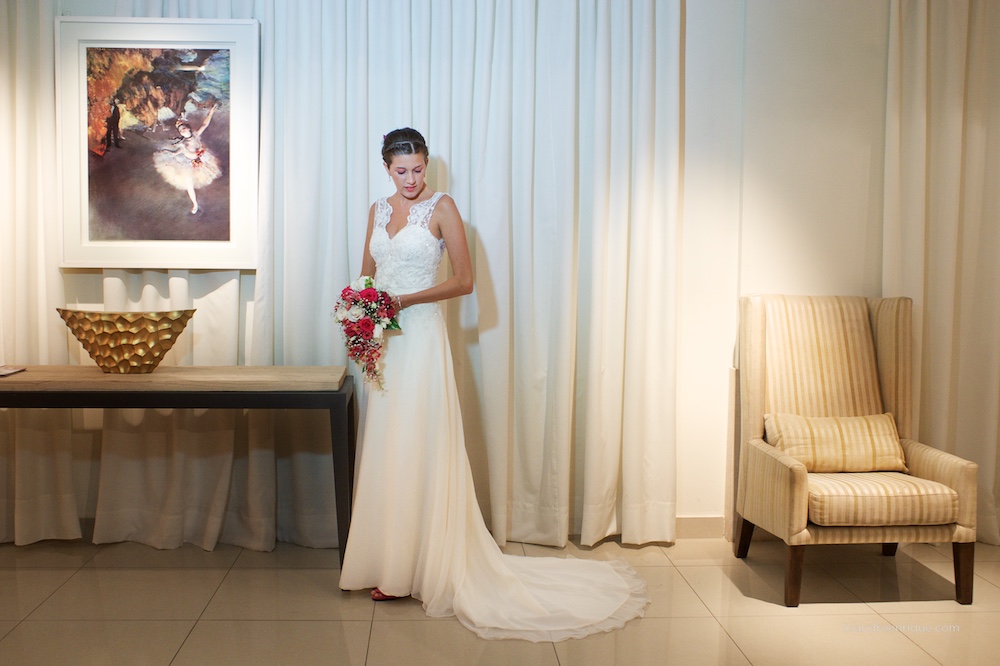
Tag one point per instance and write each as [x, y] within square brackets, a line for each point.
[341, 313]
[355, 313]
[377, 333]
[362, 282]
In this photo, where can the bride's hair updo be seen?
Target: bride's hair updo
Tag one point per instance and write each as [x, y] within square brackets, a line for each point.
[405, 141]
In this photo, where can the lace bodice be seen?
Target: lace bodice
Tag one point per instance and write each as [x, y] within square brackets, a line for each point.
[408, 261]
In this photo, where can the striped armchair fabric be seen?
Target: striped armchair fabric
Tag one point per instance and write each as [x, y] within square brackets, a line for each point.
[844, 357]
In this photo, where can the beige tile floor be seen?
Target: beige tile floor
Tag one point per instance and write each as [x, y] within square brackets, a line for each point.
[77, 603]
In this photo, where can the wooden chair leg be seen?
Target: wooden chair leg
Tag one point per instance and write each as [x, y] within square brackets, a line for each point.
[793, 575]
[889, 549]
[744, 532]
[964, 555]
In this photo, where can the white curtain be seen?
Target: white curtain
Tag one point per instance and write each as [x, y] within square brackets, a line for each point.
[555, 126]
[941, 237]
[34, 446]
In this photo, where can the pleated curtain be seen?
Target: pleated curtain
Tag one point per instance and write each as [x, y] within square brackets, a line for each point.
[941, 237]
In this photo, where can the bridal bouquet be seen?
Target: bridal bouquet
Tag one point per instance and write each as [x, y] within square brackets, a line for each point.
[364, 314]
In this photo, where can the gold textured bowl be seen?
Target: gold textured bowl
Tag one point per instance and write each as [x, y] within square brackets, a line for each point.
[126, 342]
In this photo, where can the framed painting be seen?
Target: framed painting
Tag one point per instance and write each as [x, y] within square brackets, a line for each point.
[158, 127]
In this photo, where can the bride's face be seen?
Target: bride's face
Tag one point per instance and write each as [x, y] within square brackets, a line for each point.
[408, 173]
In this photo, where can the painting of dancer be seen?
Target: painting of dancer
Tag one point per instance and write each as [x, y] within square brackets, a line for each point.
[158, 138]
[158, 133]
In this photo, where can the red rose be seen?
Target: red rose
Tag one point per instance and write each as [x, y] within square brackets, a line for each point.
[369, 295]
[366, 325]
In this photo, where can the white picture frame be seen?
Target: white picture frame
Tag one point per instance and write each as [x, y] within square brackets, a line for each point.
[172, 182]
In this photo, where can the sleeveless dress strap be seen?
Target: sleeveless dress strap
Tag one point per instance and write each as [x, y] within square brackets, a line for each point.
[382, 212]
[421, 213]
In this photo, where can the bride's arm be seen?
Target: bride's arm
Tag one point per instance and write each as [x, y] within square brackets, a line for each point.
[368, 263]
[449, 225]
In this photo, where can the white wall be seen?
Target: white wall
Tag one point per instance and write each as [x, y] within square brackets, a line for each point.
[709, 279]
[813, 129]
[783, 165]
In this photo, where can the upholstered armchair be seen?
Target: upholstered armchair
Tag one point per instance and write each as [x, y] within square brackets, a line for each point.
[825, 455]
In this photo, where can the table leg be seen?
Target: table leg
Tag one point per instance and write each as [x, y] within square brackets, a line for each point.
[343, 436]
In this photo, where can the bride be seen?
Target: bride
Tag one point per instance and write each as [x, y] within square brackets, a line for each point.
[417, 529]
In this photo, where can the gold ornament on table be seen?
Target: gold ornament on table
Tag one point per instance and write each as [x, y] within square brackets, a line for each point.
[126, 342]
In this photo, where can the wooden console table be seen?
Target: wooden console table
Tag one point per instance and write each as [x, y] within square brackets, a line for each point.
[192, 387]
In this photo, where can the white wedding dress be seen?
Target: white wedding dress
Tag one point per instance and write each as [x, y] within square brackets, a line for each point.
[416, 528]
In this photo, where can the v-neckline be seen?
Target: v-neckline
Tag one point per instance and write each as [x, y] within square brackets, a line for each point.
[409, 213]
[393, 210]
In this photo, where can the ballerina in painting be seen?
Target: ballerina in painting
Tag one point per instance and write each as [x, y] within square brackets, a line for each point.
[187, 164]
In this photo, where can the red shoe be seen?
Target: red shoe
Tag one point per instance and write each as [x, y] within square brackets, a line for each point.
[379, 595]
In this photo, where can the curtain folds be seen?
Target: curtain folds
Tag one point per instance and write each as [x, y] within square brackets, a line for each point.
[941, 240]
[555, 126]
[629, 228]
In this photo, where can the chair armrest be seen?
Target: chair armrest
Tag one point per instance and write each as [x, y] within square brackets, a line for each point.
[773, 491]
[957, 473]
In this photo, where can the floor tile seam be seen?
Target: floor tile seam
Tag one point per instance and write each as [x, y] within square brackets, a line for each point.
[741, 565]
[410, 619]
[690, 587]
[978, 577]
[846, 589]
[960, 613]
[685, 616]
[731, 638]
[651, 565]
[259, 620]
[556, 653]
[155, 568]
[815, 617]
[284, 568]
[906, 635]
[99, 548]
[717, 616]
[208, 603]
[12, 630]
[17, 567]
[43, 568]
[706, 564]
[832, 577]
[371, 634]
[52, 593]
[105, 621]
[907, 563]
[697, 595]
[222, 565]
[639, 567]
[184, 641]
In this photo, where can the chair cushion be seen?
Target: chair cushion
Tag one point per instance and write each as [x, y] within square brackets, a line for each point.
[838, 443]
[875, 499]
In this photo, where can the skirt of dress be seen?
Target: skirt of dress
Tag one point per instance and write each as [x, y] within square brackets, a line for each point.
[417, 529]
[181, 171]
